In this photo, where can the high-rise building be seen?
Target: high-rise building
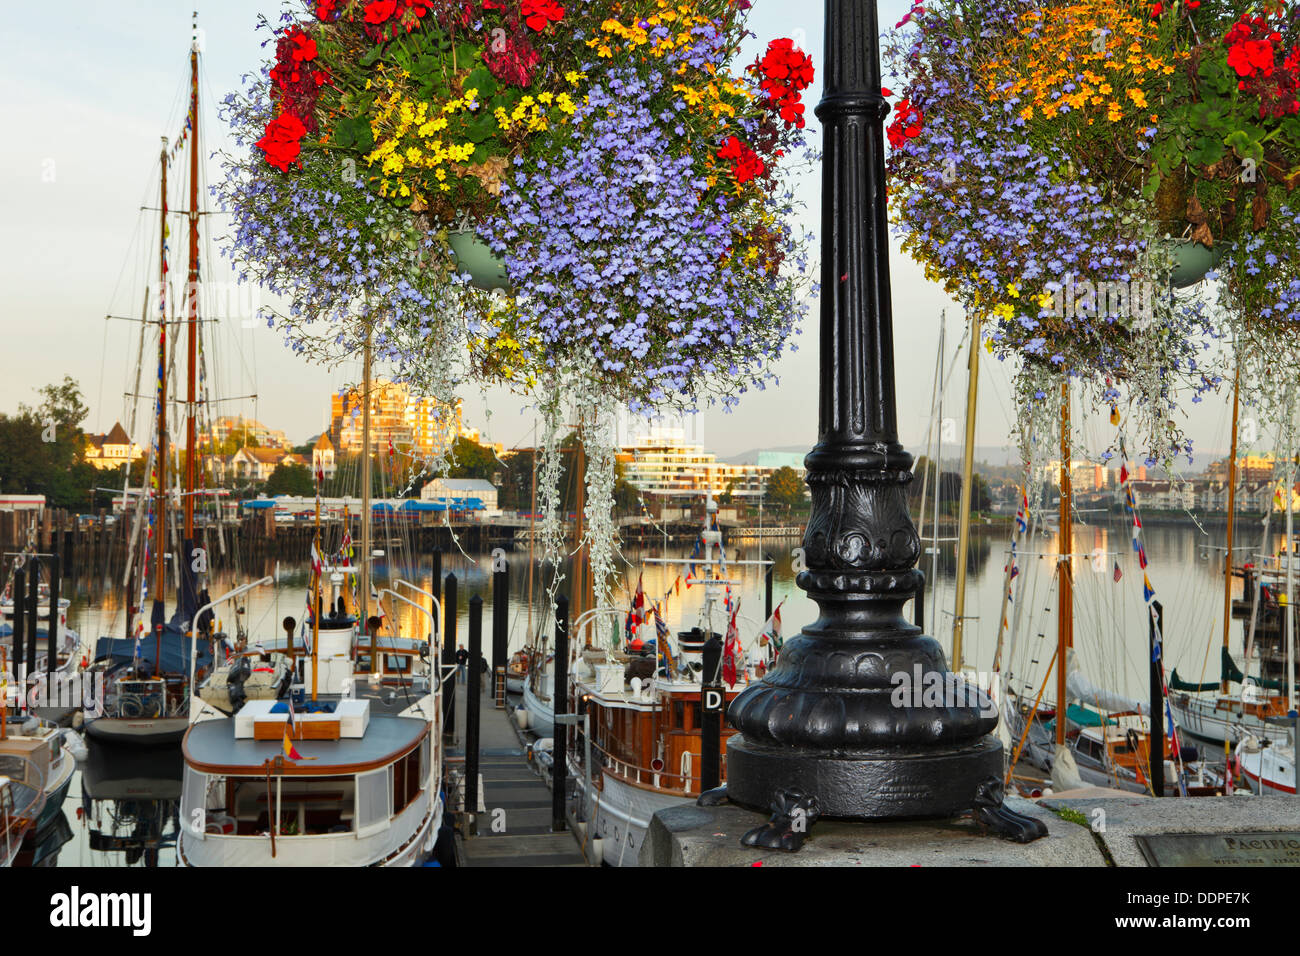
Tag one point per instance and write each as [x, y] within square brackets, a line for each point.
[664, 463]
[244, 429]
[397, 418]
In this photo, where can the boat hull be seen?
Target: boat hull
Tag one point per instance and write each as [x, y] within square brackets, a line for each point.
[620, 814]
[1204, 720]
[541, 718]
[138, 731]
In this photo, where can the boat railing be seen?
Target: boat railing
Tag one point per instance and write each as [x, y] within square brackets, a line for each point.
[684, 780]
[228, 596]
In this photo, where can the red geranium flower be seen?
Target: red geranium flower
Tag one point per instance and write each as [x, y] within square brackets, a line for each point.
[282, 141]
[377, 11]
[745, 163]
[538, 13]
[785, 71]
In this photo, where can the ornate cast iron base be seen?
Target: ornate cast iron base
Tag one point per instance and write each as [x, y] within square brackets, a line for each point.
[933, 782]
[794, 812]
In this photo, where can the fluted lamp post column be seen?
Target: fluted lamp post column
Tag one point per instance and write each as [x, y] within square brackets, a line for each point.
[827, 729]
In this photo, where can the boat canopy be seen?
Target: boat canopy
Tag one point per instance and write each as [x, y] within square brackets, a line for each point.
[175, 651]
[1229, 671]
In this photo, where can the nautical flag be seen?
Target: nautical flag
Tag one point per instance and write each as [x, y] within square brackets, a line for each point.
[1128, 500]
[627, 627]
[1123, 473]
[677, 585]
[1114, 415]
[730, 650]
[1148, 592]
[317, 560]
[291, 724]
[290, 751]
[638, 602]
[1015, 569]
[690, 574]
[661, 643]
[1118, 575]
[1142, 557]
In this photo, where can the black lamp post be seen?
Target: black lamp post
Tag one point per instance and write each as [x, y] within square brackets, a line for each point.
[828, 728]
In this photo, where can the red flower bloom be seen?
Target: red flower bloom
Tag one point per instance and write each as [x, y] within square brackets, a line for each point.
[785, 71]
[377, 11]
[514, 63]
[538, 13]
[282, 141]
[745, 163]
[906, 124]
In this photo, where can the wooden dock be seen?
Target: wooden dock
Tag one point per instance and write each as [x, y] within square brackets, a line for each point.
[514, 827]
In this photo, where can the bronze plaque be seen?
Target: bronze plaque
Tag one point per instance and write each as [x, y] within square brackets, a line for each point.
[1278, 848]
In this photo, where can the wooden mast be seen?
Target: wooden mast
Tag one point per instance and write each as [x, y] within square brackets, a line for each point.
[532, 531]
[192, 296]
[968, 463]
[1065, 612]
[363, 599]
[160, 526]
[1232, 504]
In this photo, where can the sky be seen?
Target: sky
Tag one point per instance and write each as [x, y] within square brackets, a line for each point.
[87, 89]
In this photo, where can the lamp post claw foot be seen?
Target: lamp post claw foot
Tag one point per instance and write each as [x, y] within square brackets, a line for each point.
[793, 815]
[990, 813]
[713, 798]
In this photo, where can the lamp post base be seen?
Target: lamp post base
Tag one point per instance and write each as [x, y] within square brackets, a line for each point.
[868, 785]
[800, 787]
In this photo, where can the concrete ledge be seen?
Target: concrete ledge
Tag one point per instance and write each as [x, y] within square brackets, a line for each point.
[1132, 815]
[710, 836]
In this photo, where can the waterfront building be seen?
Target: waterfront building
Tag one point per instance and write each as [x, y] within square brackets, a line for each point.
[451, 491]
[663, 463]
[406, 423]
[322, 456]
[244, 429]
[253, 464]
[113, 449]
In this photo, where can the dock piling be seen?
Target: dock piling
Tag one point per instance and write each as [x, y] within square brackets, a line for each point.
[449, 658]
[500, 623]
[473, 699]
[559, 704]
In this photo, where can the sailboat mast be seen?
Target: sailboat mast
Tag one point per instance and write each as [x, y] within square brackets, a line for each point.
[1232, 512]
[1065, 612]
[967, 467]
[160, 524]
[192, 295]
[532, 531]
[1289, 549]
[364, 599]
[938, 482]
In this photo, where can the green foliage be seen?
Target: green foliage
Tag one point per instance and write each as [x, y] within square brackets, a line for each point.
[472, 460]
[42, 450]
[785, 489]
[291, 480]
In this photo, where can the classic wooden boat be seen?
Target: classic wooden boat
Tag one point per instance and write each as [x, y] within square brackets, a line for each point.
[517, 670]
[42, 743]
[368, 795]
[645, 745]
[22, 798]
[644, 710]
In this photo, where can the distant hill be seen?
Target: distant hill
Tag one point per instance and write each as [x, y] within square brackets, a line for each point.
[992, 455]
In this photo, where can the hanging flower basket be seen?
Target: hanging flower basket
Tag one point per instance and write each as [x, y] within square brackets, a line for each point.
[475, 257]
[1051, 145]
[1193, 261]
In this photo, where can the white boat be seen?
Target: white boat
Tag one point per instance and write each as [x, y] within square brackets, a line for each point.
[22, 798]
[539, 690]
[1229, 717]
[43, 744]
[364, 789]
[644, 745]
[1268, 765]
[42, 602]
